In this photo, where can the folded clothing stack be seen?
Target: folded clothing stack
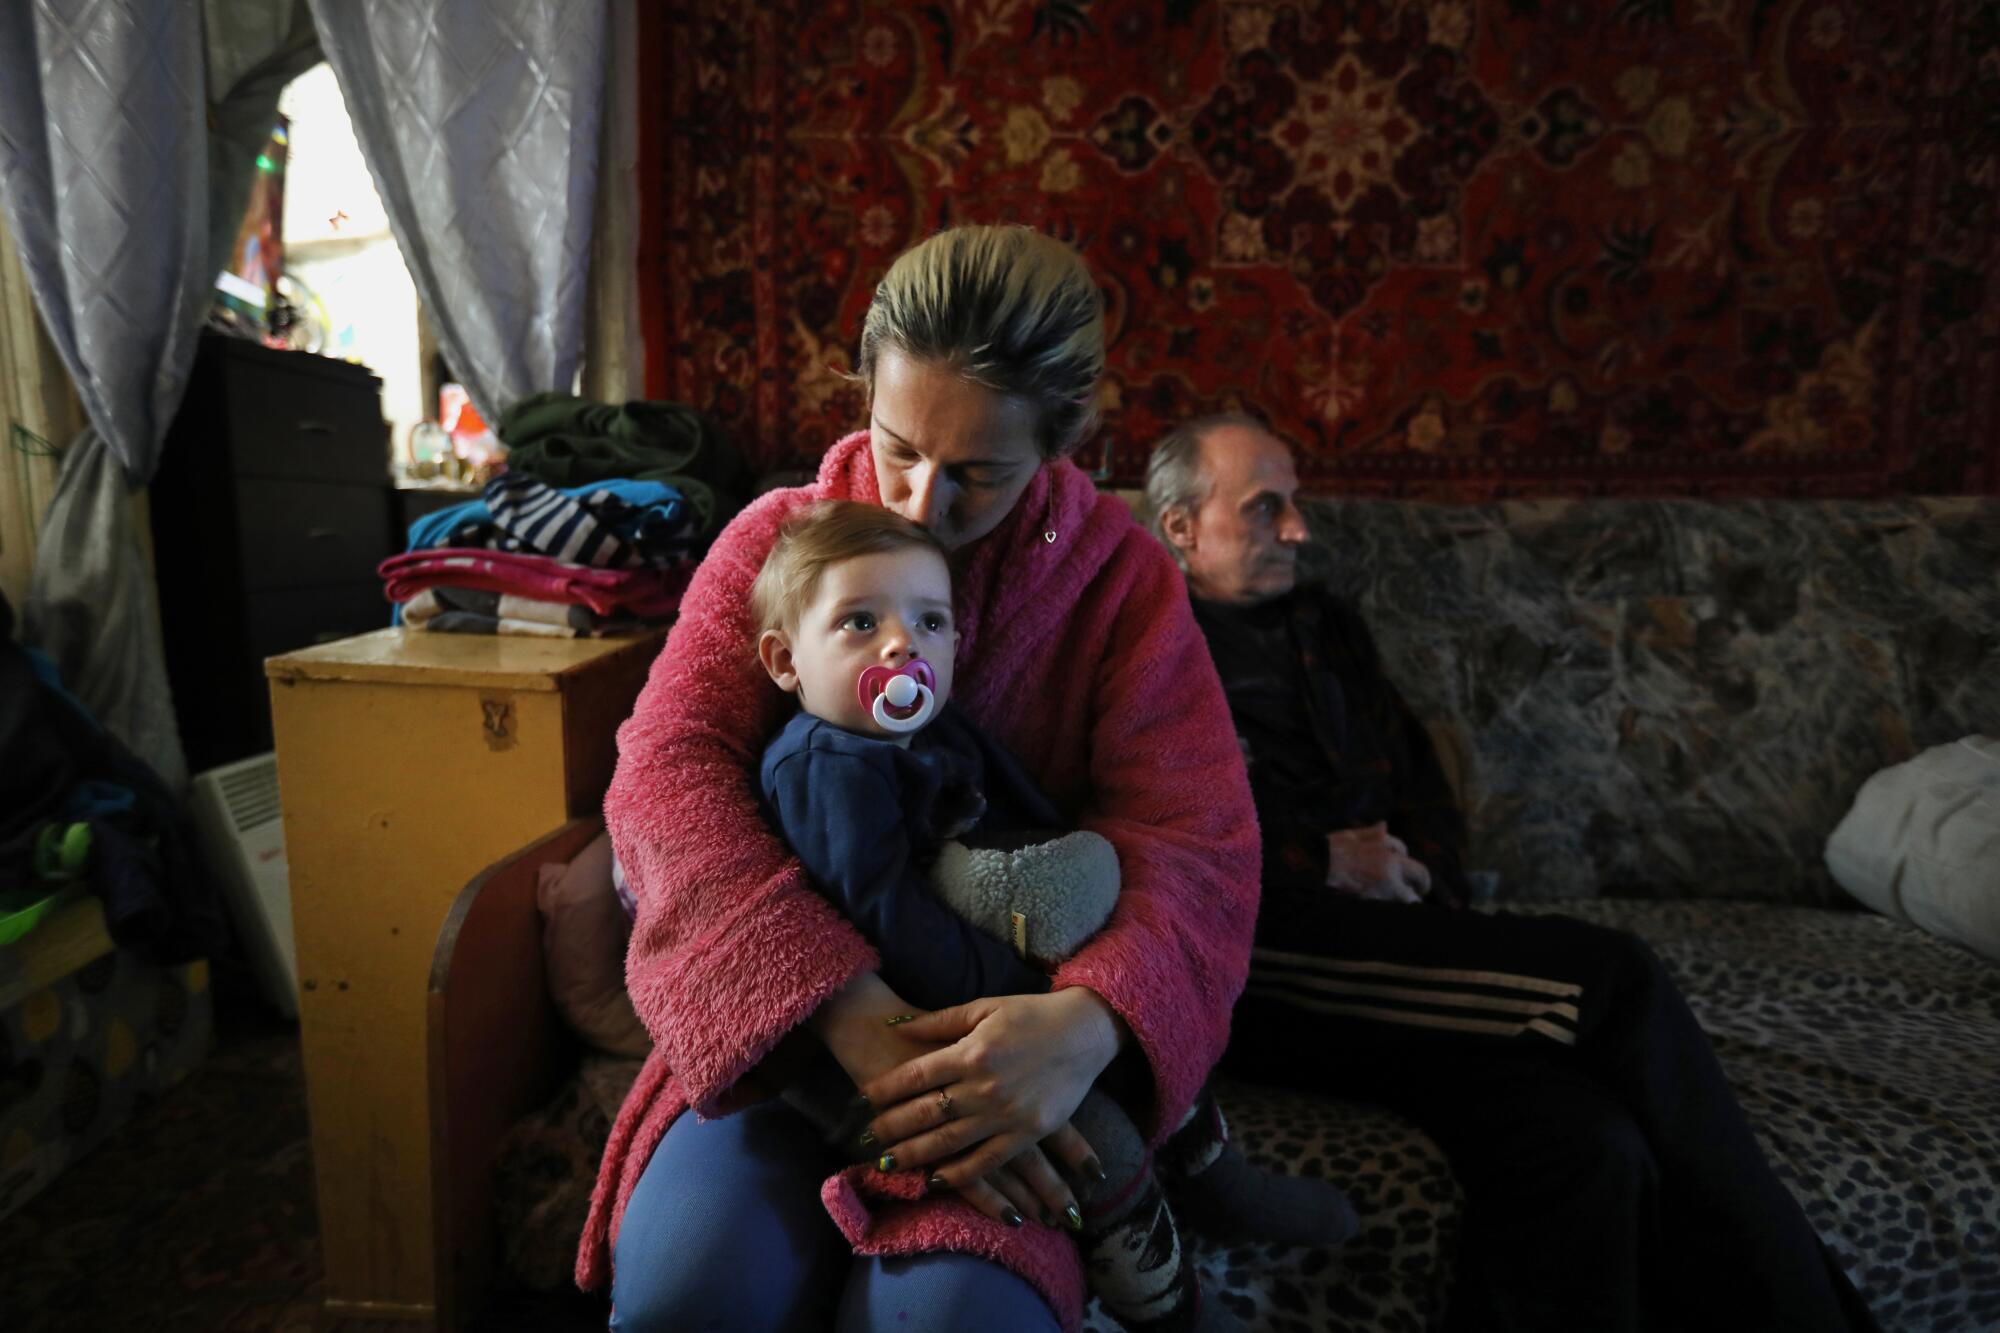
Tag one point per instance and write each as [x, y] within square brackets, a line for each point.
[529, 558]
[593, 529]
[470, 591]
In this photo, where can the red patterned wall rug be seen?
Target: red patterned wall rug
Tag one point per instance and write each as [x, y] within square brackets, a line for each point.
[1695, 247]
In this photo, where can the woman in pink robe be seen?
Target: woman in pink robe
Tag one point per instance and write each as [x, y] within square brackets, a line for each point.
[982, 351]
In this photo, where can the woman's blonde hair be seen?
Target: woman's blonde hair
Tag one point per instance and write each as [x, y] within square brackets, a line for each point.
[819, 537]
[1006, 307]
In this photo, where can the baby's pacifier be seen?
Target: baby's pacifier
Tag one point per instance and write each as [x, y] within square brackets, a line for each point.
[900, 700]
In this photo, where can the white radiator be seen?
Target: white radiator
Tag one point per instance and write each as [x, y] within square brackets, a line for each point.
[237, 815]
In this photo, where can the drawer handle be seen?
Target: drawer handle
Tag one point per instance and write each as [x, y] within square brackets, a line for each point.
[321, 534]
[315, 428]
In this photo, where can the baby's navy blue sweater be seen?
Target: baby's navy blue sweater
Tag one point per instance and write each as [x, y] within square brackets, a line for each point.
[865, 814]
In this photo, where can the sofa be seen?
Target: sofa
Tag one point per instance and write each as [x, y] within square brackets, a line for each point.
[1655, 712]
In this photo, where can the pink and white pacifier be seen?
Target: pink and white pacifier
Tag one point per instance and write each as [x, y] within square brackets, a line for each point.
[901, 700]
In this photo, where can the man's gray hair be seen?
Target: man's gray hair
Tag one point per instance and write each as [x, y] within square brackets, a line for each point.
[1175, 478]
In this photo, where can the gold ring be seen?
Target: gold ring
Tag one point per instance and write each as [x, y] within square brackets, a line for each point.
[944, 1103]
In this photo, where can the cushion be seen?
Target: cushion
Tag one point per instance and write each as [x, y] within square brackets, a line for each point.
[1922, 843]
[1863, 1051]
[1393, 1276]
[1865, 1054]
[584, 935]
[1720, 678]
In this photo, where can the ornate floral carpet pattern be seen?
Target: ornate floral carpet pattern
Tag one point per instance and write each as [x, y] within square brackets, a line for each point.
[1453, 250]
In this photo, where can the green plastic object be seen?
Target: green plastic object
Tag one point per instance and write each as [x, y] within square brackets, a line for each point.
[61, 852]
[21, 910]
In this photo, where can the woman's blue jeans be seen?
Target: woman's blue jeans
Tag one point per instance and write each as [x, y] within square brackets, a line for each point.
[726, 1232]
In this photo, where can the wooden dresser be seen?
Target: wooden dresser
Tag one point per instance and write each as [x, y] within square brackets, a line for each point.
[409, 762]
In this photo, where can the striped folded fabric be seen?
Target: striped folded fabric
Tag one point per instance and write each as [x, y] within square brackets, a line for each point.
[598, 525]
[607, 525]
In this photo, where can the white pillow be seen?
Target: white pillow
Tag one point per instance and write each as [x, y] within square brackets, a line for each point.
[1922, 843]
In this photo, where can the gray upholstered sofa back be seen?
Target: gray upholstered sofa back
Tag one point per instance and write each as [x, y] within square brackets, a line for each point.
[1675, 698]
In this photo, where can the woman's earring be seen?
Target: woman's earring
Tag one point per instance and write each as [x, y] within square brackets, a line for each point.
[1049, 526]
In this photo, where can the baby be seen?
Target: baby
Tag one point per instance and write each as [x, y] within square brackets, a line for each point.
[937, 846]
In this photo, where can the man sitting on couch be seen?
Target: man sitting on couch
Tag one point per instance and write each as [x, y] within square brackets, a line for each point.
[1610, 1178]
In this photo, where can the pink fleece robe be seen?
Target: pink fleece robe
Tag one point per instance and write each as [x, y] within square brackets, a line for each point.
[1082, 656]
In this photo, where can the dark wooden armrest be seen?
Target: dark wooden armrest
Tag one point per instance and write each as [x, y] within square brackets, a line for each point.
[498, 1050]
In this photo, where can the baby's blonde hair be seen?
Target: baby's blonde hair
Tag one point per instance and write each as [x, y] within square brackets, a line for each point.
[1006, 307]
[819, 537]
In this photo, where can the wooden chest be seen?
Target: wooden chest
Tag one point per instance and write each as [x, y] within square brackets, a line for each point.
[408, 762]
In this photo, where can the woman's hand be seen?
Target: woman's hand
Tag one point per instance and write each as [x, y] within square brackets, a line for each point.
[854, 1025]
[1027, 1187]
[1016, 1068]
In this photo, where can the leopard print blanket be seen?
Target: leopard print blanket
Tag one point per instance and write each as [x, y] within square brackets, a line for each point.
[1866, 1054]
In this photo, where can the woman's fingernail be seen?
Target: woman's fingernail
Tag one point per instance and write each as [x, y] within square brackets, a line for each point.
[858, 1102]
[902, 1018]
[886, 1163]
[937, 1184]
[869, 1143]
[1072, 1216]
[1012, 1217]
[1094, 1169]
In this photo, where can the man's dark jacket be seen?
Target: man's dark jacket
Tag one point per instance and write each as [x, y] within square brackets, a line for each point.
[1330, 742]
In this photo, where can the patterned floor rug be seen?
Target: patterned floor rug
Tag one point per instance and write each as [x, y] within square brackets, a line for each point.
[199, 1216]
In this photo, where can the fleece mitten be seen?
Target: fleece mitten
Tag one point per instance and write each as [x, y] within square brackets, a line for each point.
[1044, 897]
